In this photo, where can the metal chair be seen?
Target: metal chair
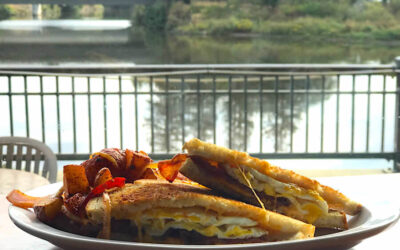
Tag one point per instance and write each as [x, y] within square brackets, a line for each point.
[22, 151]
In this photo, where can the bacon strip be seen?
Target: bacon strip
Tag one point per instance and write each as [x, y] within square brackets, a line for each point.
[129, 157]
[169, 169]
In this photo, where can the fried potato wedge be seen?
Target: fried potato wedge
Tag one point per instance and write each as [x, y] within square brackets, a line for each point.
[149, 173]
[136, 160]
[75, 180]
[47, 209]
[102, 176]
[140, 160]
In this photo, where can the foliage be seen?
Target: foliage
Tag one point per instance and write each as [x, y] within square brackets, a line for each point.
[220, 26]
[179, 14]
[68, 11]
[138, 15]
[216, 11]
[244, 25]
[5, 12]
[313, 8]
[116, 12]
[272, 3]
[51, 11]
[311, 18]
[155, 16]
[394, 7]
[92, 11]
[360, 19]
[55, 11]
[307, 26]
[375, 13]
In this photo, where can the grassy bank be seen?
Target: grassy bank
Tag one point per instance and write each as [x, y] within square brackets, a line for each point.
[311, 19]
[308, 19]
[308, 27]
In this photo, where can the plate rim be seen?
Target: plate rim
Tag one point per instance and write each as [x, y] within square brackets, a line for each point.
[51, 234]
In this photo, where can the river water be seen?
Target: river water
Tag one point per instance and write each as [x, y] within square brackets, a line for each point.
[68, 42]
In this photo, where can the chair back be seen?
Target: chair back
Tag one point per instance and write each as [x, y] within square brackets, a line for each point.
[21, 153]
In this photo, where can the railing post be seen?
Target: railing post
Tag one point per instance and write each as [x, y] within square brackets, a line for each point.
[396, 163]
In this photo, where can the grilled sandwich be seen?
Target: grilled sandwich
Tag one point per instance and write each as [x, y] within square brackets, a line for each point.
[163, 212]
[238, 175]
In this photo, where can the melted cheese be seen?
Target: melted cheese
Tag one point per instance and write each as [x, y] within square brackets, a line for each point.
[252, 189]
[157, 221]
[306, 202]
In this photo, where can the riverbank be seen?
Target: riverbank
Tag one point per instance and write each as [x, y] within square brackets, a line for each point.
[315, 29]
[309, 19]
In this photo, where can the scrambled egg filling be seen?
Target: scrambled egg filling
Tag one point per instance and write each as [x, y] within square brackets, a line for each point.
[156, 222]
[306, 202]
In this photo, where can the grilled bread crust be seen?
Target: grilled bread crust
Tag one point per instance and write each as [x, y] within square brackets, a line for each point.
[133, 199]
[232, 188]
[334, 198]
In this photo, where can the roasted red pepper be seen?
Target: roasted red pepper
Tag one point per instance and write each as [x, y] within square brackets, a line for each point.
[116, 182]
[20, 199]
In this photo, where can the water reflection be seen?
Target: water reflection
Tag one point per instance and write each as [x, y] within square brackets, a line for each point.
[290, 114]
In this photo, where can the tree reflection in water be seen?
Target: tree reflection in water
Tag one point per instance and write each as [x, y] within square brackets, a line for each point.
[229, 115]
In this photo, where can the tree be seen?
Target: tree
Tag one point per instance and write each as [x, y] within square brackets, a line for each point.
[5, 12]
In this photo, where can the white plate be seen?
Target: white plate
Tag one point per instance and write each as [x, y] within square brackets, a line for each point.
[372, 220]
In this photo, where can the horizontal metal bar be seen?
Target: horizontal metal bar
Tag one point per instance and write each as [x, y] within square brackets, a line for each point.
[110, 73]
[131, 66]
[99, 72]
[298, 72]
[386, 155]
[95, 73]
[205, 91]
[207, 79]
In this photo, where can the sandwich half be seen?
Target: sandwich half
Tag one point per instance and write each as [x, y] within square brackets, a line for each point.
[239, 176]
[163, 212]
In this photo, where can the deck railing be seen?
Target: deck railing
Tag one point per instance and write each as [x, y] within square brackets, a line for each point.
[271, 111]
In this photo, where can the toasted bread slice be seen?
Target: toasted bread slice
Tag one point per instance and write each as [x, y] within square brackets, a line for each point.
[334, 198]
[154, 199]
[242, 177]
[231, 188]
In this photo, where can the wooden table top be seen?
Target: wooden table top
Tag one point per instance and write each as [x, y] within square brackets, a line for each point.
[16, 179]
[381, 187]
[12, 237]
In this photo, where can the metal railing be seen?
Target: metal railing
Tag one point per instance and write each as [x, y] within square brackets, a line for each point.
[271, 111]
